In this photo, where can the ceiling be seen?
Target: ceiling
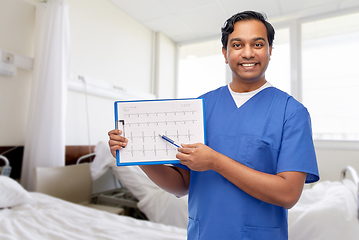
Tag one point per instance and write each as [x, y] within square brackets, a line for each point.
[190, 20]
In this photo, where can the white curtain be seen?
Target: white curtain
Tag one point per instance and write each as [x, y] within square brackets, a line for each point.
[45, 133]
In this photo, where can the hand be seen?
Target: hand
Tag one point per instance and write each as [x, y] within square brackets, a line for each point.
[116, 141]
[197, 157]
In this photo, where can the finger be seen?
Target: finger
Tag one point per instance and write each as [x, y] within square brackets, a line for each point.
[112, 143]
[113, 153]
[116, 147]
[181, 157]
[193, 145]
[183, 150]
[184, 162]
[114, 131]
[118, 138]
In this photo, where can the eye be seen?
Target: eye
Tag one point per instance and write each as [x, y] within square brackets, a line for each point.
[258, 45]
[237, 45]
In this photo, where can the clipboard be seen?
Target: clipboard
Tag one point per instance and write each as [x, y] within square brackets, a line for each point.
[143, 121]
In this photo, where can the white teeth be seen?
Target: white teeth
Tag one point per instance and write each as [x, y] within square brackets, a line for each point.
[248, 64]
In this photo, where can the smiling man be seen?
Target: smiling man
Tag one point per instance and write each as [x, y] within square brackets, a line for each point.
[247, 51]
[259, 150]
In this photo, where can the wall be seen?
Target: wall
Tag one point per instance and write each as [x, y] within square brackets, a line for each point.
[165, 73]
[331, 160]
[110, 46]
[106, 44]
[16, 35]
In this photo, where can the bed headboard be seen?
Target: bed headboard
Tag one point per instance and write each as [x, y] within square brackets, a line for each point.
[15, 153]
[74, 152]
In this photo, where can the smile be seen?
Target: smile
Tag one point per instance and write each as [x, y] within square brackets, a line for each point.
[248, 64]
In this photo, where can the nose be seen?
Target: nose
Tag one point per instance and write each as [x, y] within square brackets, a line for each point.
[247, 52]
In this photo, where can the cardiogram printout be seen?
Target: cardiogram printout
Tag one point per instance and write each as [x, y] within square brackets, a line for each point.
[142, 123]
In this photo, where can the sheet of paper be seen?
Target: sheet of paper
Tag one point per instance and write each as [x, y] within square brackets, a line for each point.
[142, 122]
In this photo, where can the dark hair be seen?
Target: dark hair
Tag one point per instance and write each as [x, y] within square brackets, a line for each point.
[246, 15]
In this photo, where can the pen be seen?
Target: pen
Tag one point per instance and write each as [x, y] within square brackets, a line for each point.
[170, 140]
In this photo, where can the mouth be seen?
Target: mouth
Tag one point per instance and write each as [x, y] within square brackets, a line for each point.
[248, 64]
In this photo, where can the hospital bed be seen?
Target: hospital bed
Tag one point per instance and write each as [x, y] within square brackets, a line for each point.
[326, 210]
[31, 215]
[71, 183]
[113, 188]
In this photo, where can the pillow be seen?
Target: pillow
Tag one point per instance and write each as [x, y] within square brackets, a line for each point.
[12, 193]
[102, 161]
[132, 177]
[163, 207]
[158, 205]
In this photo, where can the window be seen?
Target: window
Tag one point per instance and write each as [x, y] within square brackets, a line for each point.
[201, 68]
[330, 75]
[278, 72]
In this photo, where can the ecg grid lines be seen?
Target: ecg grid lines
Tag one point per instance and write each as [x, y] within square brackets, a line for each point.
[143, 122]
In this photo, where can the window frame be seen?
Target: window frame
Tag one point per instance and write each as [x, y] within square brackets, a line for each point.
[296, 75]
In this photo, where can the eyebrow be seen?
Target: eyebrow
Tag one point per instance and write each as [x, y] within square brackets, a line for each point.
[255, 39]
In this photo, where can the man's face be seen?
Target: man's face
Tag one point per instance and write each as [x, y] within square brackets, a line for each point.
[248, 52]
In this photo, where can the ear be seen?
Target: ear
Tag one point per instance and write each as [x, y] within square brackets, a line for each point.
[224, 52]
[270, 52]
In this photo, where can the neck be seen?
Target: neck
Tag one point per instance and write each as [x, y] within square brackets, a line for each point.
[242, 87]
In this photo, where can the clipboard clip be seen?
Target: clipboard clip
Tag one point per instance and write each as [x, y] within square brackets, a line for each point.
[120, 124]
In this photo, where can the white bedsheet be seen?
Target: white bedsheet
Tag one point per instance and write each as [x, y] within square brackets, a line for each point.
[51, 218]
[328, 211]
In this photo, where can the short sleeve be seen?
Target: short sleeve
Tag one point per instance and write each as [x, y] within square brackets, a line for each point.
[297, 151]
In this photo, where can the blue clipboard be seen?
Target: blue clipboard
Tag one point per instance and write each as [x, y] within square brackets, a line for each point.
[144, 122]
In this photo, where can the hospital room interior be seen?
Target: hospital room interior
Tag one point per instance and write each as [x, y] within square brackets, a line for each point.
[64, 63]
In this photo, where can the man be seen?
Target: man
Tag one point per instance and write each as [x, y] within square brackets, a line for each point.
[259, 150]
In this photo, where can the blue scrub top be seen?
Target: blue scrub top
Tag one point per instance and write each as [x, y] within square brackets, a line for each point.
[270, 133]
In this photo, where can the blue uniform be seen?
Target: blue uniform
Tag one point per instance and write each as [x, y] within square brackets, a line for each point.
[270, 133]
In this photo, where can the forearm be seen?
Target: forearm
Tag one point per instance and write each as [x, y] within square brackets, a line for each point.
[169, 179]
[283, 189]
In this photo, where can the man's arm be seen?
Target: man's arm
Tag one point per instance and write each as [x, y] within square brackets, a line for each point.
[171, 179]
[283, 189]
